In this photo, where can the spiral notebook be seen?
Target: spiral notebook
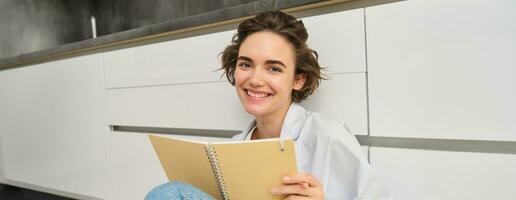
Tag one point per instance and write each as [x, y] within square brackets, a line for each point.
[228, 170]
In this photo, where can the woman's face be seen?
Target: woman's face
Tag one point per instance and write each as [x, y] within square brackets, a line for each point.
[265, 74]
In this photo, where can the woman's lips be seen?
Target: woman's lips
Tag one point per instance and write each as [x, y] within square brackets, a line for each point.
[256, 96]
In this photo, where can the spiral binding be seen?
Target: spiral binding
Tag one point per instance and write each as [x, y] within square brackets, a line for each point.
[212, 155]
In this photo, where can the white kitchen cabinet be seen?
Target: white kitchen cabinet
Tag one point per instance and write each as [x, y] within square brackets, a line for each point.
[340, 42]
[53, 126]
[189, 106]
[429, 174]
[339, 39]
[200, 106]
[134, 167]
[442, 69]
[342, 98]
[185, 60]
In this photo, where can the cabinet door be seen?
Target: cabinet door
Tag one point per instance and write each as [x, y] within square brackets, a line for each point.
[442, 69]
[134, 168]
[427, 174]
[188, 106]
[53, 126]
[186, 60]
[339, 39]
[342, 98]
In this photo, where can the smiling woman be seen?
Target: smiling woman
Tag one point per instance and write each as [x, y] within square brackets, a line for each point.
[272, 70]
[264, 78]
[293, 36]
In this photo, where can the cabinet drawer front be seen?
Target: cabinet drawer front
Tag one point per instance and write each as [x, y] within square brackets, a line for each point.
[434, 73]
[428, 174]
[342, 98]
[339, 39]
[187, 106]
[188, 60]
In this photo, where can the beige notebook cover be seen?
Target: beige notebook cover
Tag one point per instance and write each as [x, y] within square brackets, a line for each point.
[228, 170]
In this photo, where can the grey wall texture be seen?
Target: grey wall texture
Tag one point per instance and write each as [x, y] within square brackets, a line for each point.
[120, 15]
[32, 25]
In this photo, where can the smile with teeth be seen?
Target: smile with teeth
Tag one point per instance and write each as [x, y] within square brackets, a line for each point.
[257, 94]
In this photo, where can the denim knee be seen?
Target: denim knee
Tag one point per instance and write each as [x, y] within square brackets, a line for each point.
[177, 190]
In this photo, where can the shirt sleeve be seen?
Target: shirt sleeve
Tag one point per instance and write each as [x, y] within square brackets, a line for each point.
[349, 174]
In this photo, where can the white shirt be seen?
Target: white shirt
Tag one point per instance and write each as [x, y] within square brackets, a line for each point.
[330, 153]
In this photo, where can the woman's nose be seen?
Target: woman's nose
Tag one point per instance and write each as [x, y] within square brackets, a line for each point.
[257, 78]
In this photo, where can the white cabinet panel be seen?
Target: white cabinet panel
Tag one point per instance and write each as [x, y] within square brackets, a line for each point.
[442, 69]
[200, 106]
[339, 39]
[342, 98]
[53, 126]
[195, 59]
[192, 59]
[425, 174]
[134, 167]
[194, 106]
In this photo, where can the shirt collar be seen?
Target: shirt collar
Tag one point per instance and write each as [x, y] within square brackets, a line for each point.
[293, 122]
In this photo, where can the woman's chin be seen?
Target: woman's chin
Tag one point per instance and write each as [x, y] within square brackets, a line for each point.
[256, 110]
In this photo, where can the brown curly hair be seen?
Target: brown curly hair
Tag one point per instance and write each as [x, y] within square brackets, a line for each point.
[291, 29]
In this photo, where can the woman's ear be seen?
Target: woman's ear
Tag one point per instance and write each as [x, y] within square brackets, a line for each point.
[299, 81]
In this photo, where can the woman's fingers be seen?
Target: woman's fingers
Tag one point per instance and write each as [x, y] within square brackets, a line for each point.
[299, 186]
[297, 189]
[301, 178]
[296, 197]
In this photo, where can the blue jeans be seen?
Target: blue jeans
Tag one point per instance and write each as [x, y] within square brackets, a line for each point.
[177, 190]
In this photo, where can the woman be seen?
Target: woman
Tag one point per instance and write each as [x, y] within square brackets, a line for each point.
[272, 70]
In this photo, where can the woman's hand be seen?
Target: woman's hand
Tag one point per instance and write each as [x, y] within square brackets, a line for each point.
[299, 186]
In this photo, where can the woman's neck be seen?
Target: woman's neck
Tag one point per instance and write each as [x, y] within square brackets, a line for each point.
[269, 126]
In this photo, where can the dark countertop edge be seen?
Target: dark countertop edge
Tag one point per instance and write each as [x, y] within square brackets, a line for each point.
[209, 19]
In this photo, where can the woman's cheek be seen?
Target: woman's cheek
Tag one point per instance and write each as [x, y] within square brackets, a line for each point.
[240, 76]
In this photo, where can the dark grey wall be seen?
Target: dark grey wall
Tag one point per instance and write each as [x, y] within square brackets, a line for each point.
[32, 25]
[120, 15]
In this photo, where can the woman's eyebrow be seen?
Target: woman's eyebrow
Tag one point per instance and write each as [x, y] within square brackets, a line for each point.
[268, 62]
[277, 62]
[245, 58]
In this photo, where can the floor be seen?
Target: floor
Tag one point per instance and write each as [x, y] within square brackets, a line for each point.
[8, 192]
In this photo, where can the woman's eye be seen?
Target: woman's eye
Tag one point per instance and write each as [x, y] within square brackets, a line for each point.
[275, 69]
[244, 65]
